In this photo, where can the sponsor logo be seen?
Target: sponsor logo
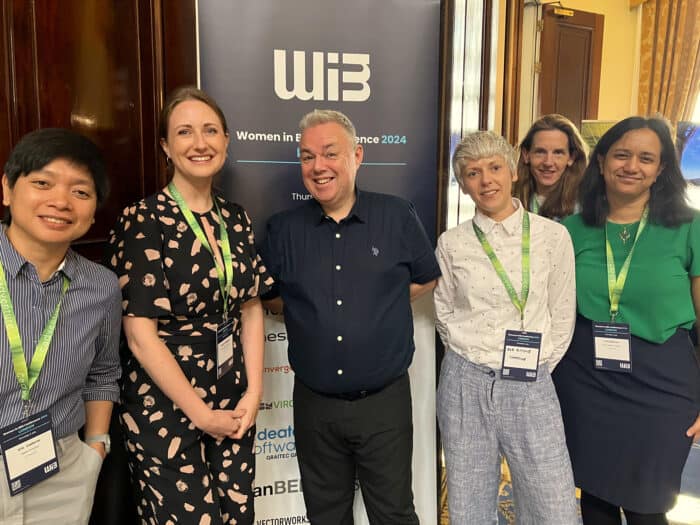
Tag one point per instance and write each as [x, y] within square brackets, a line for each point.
[279, 403]
[276, 443]
[334, 76]
[283, 520]
[272, 337]
[281, 369]
[289, 486]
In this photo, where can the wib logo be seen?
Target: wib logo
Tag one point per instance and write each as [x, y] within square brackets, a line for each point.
[326, 80]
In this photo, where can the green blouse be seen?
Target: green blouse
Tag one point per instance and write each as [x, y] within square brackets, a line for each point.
[657, 298]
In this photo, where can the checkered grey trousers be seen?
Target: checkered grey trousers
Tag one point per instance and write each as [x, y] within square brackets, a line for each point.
[482, 417]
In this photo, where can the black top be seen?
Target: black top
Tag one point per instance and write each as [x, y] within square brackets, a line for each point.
[345, 288]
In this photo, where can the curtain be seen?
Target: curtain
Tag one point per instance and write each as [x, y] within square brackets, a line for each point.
[669, 80]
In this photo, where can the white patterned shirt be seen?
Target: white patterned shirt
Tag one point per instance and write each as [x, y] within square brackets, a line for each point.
[473, 309]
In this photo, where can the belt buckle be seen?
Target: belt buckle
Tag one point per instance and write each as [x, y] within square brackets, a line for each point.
[354, 396]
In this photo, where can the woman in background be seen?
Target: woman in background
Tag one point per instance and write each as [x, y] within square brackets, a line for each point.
[190, 279]
[550, 167]
[629, 385]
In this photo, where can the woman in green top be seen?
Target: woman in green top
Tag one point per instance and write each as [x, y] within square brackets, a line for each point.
[629, 385]
[550, 167]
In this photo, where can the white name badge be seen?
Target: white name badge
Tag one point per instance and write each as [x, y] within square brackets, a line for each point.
[29, 452]
[521, 355]
[611, 344]
[224, 348]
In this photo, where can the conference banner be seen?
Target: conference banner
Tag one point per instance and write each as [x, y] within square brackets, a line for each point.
[268, 63]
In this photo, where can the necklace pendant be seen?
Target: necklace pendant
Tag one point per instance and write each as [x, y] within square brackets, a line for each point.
[624, 235]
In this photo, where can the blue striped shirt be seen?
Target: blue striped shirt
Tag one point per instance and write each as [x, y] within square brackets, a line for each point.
[82, 363]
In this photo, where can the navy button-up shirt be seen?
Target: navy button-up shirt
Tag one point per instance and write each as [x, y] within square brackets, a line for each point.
[345, 288]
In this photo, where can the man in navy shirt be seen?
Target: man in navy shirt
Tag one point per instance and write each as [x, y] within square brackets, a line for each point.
[347, 265]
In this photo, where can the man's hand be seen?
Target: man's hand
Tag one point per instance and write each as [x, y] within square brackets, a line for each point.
[416, 290]
[99, 447]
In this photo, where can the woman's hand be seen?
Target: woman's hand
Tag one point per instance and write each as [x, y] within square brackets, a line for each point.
[250, 402]
[694, 430]
[220, 424]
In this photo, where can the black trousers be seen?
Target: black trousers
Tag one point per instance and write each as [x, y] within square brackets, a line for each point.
[369, 438]
[595, 511]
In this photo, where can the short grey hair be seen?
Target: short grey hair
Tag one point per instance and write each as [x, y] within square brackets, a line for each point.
[324, 116]
[480, 145]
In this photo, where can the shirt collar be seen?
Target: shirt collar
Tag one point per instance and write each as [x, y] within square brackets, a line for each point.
[358, 211]
[13, 262]
[511, 224]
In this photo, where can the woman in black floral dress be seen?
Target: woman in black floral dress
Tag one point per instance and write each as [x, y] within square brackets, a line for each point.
[193, 321]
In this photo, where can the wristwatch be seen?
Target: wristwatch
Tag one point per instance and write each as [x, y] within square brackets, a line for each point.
[100, 438]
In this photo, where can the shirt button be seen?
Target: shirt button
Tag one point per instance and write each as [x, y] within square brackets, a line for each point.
[338, 267]
[340, 372]
[339, 338]
[339, 302]
[337, 236]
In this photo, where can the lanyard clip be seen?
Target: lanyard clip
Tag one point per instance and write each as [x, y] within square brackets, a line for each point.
[613, 316]
[26, 408]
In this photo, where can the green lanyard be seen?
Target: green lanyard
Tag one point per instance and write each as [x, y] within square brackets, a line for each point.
[27, 378]
[519, 303]
[616, 285]
[534, 205]
[224, 274]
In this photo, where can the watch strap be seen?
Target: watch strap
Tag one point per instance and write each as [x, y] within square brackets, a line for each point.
[100, 438]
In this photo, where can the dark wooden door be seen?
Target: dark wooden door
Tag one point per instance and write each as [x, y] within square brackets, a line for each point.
[100, 67]
[571, 47]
